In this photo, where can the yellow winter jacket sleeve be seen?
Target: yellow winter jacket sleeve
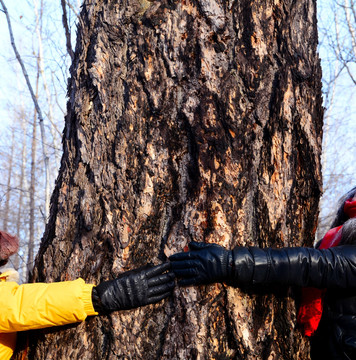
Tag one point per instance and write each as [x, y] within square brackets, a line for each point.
[35, 306]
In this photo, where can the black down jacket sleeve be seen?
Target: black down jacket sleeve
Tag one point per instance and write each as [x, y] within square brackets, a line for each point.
[331, 268]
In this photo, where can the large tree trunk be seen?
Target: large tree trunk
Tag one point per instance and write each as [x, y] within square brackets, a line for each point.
[195, 119]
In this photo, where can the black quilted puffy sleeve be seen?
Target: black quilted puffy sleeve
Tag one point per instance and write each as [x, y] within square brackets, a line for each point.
[329, 268]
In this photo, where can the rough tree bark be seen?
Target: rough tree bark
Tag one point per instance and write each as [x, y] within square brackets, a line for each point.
[194, 119]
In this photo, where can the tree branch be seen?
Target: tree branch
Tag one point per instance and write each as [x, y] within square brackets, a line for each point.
[66, 29]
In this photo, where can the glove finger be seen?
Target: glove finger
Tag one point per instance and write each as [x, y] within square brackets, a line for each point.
[158, 298]
[194, 245]
[159, 269]
[160, 279]
[181, 256]
[186, 272]
[188, 282]
[185, 264]
[161, 289]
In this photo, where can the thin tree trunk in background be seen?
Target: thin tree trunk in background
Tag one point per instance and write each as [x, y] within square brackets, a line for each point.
[31, 239]
[8, 182]
[55, 133]
[22, 185]
[186, 120]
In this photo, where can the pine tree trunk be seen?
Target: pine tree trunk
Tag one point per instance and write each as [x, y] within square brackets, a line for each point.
[186, 120]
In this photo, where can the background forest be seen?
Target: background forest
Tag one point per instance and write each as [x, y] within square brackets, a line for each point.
[30, 145]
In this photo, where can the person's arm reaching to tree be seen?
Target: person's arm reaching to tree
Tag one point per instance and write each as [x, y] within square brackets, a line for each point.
[208, 263]
[40, 305]
[33, 306]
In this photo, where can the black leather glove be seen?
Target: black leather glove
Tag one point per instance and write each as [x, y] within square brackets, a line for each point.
[133, 289]
[203, 264]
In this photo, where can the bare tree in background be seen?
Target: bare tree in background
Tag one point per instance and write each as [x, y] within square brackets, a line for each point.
[31, 240]
[24, 194]
[22, 185]
[6, 212]
[14, 196]
[38, 110]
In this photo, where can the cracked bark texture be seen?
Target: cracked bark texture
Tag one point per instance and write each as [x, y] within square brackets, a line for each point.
[190, 119]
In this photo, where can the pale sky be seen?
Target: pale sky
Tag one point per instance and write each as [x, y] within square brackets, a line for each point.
[22, 16]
